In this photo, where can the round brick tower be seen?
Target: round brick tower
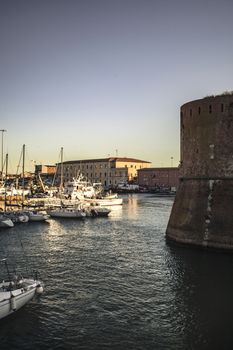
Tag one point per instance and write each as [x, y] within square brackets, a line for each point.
[202, 213]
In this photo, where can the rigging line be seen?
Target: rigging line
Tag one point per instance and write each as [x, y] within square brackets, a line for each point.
[21, 155]
[10, 165]
[6, 253]
[59, 160]
[25, 255]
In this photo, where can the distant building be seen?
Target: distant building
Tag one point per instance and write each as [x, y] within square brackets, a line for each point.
[45, 174]
[108, 171]
[45, 169]
[161, 177]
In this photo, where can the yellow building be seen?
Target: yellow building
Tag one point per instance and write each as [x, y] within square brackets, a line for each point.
[109, 171]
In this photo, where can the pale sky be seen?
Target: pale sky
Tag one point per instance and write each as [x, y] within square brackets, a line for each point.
[107, 77]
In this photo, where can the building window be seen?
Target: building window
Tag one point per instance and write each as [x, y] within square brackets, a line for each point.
[222, 107]
[210, 109]
[211, 151]
[199, 110]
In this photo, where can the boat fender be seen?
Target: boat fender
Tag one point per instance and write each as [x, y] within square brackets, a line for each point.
[13, 303]
[39, 289]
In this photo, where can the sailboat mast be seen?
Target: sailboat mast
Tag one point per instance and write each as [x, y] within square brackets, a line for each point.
[62, 170]
[23, 173]
[5, 182]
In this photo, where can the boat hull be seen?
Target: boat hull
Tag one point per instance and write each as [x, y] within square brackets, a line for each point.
[64, 214]
[105, 202]
[6, 223]
[11, 301]
[39, 218]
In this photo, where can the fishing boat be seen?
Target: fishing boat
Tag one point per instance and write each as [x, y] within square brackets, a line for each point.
[16, 292]
[82, 190]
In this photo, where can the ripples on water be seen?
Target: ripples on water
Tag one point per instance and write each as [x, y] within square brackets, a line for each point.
[114, 283]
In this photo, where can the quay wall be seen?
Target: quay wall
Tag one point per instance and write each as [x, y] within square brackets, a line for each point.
[202, 210]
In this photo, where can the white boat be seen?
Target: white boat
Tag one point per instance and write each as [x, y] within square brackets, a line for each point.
[104, 201]
[17, 216]
[5, 221]
[97, 211]
[14, 295]
[16, 292]
[18, 192]
[82, 190]
[37, 215]
[67, 212]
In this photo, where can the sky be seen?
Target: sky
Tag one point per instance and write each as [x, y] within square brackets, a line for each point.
[107, 78]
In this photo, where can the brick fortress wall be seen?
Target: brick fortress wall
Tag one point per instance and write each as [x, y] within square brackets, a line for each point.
[202, 211]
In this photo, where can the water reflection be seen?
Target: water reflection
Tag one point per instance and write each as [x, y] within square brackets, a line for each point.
[114, 283]
[202, 291]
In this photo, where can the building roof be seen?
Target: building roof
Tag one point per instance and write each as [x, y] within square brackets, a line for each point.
[159, 169]
[110, 159]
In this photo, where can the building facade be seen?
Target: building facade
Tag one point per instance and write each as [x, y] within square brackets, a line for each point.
[158, 177]
[45, 169]
[109, 171]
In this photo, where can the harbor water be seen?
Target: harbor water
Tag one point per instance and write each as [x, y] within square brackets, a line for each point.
[114, 283]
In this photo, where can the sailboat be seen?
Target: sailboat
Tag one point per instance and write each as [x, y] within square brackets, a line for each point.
[66, 211]
[5, 220]
[33, 215]
[17, 291]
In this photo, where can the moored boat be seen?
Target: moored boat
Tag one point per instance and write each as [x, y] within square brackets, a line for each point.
[104, 201]
[17, 216]
[67, 212]
[17, 291]
[35, 215]
[97, 211]
[15, 294]
[5, 221]
[82, 190]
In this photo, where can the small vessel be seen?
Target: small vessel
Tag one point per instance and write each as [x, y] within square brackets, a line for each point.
[104, 201]
[17, 216]
[67, 212]
[16, 292]
[82, 190]
[97, 211]
[35, 215]
[5, 221]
